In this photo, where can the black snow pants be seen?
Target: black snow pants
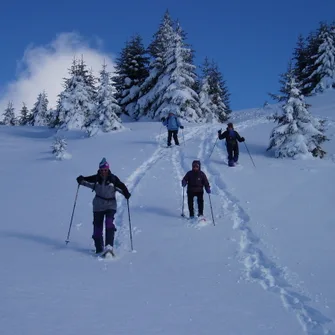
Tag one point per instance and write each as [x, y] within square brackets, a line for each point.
[173, 133]
[200, 201]
[233, 152]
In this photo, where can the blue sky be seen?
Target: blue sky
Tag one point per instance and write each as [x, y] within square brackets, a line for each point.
[251, 41]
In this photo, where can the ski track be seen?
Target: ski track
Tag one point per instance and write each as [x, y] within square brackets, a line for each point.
[259, 267]
[178, 159]
[181, 166]
[132, 181]
[135, 178]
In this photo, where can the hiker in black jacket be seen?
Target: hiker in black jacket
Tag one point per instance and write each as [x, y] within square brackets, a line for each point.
[104, 184]
[232, 138]
[196, 180]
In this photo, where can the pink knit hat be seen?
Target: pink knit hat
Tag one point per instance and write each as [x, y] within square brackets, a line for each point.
[103, 164]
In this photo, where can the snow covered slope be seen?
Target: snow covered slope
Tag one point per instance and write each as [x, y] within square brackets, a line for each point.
[266, 267]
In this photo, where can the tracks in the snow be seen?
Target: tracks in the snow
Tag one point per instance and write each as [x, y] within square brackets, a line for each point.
[135, 178]
[259, 268]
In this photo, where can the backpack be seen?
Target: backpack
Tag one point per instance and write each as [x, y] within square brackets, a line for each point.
[231, 138]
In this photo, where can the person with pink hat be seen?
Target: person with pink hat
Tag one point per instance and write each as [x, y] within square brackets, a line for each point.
[105, 185]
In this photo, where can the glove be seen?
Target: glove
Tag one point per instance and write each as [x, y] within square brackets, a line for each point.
[181, 127]
[219, 132]
[80, 179]
[163, 119]
[183, 183]
[127, 195]
[208, 190]
[242, 139]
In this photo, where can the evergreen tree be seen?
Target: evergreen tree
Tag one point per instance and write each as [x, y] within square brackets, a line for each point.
[38, 115]
[176, 93]
[205, 101]
[105, 116]
[157, 50]
[325, 60]
[53, 120]
[132, 70]
[90, 84]
[309, 83]
[225, 96]
[214, 90]
[220, 93]
[24, 115]
[161, 42]
[205, 97]
[301, 60]
[298, 133]
[76, 103]
[172, 78]
[305, 56]
[59, 148]
[9, 115]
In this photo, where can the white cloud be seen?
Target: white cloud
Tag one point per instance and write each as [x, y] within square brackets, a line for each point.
[44, 67]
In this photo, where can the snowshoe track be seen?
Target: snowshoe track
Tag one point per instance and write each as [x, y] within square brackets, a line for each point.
[259, 268]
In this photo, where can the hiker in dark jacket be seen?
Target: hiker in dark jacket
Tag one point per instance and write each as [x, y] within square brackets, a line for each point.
[232, 138]
[196, 180]
[105, 184]
[172, 124]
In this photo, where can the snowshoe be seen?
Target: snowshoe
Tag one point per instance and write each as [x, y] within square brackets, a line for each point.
[108, 252]
[201, 218]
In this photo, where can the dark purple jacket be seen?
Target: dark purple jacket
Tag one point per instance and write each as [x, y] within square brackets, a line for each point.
[231, 137]
[196, 181]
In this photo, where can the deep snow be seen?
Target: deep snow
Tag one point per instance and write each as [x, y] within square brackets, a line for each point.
[266, 267]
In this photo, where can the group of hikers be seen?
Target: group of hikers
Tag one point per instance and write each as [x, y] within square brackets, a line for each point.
[105, 184]
[231, 136]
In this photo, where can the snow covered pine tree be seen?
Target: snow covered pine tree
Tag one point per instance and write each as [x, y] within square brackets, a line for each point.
[298, 133]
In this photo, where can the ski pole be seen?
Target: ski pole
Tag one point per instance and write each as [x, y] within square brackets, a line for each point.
[130, 230]
[210, 203]
[249, 154]
[213, 148]
[182, 206]
[74, 206]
